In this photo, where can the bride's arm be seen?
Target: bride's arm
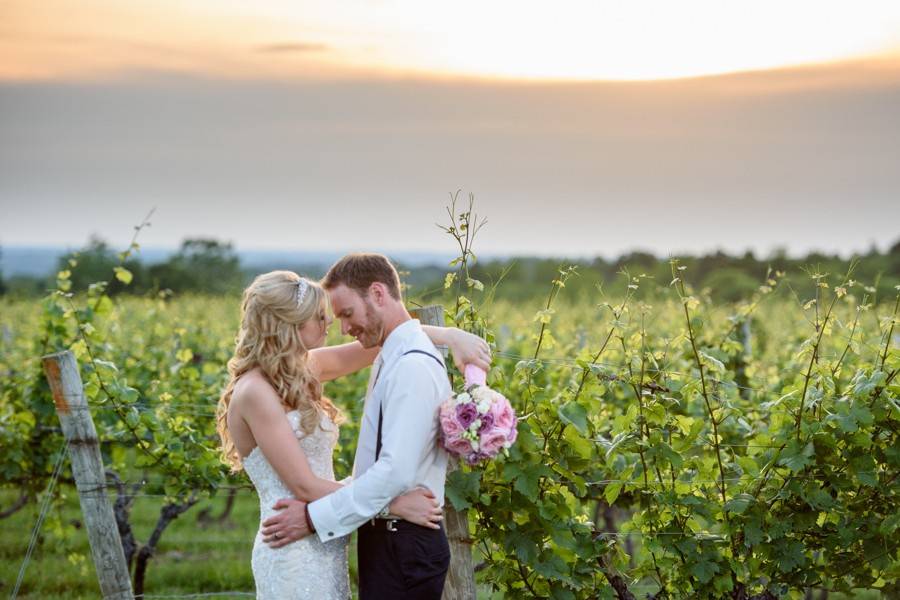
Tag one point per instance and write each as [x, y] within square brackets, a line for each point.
[331, 362]
[466, 348]
[261, 410]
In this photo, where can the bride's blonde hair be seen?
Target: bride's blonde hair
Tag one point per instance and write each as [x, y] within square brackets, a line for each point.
[269, 338]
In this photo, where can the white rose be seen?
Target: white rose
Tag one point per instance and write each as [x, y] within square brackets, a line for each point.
[463, 398]
[484, 406]
[476, 424]
[475, 446]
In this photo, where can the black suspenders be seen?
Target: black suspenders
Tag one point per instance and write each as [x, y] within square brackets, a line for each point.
[380, 416]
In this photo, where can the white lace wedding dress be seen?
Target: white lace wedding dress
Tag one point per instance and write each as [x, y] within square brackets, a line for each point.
[307, 568]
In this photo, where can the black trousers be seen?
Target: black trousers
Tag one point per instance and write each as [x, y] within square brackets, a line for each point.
[411, 562]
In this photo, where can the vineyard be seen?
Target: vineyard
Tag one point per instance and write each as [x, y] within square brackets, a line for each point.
[669, 446]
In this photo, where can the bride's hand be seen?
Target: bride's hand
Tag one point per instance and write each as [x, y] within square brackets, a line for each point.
[468, 349]
[418, 506]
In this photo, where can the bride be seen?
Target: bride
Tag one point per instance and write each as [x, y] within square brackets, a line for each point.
[275, 424]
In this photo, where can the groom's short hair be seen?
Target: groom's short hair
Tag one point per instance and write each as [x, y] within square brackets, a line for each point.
[360, 270]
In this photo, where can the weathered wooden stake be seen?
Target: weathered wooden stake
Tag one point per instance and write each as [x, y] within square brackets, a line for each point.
[460, 584]
[87, 469]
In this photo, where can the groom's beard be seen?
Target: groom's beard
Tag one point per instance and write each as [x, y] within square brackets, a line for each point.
[373, 333]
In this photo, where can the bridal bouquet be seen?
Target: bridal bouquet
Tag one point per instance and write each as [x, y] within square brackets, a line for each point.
[477, 423]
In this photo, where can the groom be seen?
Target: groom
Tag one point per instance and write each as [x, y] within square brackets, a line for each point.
[398, 441]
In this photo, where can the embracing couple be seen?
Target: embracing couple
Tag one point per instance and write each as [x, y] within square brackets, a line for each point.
[276, 425]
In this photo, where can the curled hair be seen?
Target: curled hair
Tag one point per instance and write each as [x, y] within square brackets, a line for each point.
[269, 339]
[360, 270]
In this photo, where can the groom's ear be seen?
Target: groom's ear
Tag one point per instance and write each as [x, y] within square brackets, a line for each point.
[378, 292]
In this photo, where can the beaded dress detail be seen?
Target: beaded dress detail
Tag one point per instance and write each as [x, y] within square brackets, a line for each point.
[307, 568]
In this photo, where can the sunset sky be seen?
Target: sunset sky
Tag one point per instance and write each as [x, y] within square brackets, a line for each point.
[582, 127]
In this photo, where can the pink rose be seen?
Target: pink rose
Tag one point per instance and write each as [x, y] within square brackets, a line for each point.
[513, 433]
[504, 417]
[449, 425]
[487, 421]
[492, 441]
[457, 445]
[466, 414]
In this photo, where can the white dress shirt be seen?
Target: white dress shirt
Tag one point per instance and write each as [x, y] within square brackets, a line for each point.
[409, 388]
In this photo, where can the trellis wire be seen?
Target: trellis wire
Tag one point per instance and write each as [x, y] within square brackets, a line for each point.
[209, 409]
[45, 506]
[580, 364]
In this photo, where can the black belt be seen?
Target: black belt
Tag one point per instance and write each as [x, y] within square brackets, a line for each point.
[391, 525]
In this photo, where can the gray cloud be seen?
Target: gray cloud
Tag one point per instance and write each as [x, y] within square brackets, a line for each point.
[803, 161]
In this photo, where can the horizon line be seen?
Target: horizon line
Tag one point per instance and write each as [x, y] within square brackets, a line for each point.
[773, 252]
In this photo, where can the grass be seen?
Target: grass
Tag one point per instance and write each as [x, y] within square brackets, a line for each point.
[191, 558]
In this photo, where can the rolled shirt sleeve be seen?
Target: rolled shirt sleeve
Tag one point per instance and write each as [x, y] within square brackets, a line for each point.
[410, 399]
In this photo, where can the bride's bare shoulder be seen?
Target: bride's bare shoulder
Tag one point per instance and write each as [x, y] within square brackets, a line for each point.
[252, 391]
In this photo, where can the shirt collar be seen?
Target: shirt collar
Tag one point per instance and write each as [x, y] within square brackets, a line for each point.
[396, 342]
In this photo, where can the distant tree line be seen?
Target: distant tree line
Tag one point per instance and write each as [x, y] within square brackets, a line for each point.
[200, 265]
[726, 277]
[209, 266]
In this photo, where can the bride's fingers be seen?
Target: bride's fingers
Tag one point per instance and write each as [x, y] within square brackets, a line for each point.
[279, 543]
[270, 534]
[428, 522]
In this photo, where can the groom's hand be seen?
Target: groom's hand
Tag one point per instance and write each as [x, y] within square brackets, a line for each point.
[287, 526]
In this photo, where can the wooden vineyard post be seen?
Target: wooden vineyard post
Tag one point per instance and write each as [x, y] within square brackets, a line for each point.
[460, 584]
[62, 373]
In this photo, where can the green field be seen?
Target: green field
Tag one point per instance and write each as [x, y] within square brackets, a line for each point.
[191, 558]
[683, 446]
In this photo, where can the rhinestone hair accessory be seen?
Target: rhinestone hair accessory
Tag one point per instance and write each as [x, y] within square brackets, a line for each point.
[302, 288]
